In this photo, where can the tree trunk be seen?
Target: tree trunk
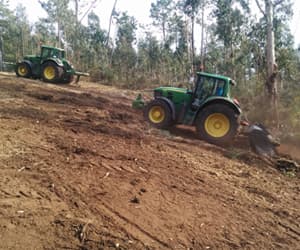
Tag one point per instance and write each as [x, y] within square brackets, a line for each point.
[193, 43]
[58, 34]
[76, 40]
[202, 38]
[110, 20]
[271, 83]
[187, 35]
[109, 29]
[1, 54]
[76, 11]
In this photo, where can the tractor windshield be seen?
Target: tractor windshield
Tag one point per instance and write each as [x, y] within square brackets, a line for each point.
[45, 53]
[57, 54]
[50, 52]
[209, 86]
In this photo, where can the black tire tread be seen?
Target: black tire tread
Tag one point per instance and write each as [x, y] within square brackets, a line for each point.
[167, 122]
[223, 109]
[58, 72]
[29, 74]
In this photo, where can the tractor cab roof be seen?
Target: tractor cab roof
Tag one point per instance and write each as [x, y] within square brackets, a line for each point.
[50, 47]
[225, 78]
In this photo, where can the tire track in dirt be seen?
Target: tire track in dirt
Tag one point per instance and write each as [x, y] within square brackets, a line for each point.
[94, 155]
[134, 229]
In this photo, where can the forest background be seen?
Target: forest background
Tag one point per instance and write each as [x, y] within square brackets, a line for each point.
[228, 37]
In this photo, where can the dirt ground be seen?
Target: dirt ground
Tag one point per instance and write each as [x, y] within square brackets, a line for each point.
[80, 169]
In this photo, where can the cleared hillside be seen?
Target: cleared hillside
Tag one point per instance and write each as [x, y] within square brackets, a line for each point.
[80, 169]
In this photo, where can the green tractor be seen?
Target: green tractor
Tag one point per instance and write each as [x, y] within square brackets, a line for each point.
[51, 66]
[209, 107]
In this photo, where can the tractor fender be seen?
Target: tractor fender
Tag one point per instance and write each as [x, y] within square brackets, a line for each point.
[220, 100]
[170, 104]
[28, 62]
[55, 60]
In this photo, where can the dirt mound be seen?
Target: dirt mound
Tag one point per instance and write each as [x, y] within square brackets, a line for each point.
[80, 169]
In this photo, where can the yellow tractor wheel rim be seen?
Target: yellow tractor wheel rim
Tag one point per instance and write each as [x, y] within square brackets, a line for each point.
[22, 70]
[217, 125]
[49, 72]
[156, 114]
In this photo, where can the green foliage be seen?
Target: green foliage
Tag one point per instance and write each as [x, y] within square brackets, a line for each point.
[104, 75]
[124, 57]
[160, 12]
[7, 25]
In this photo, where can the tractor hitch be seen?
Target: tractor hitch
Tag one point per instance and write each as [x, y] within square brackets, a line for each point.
[79, 74]
[139, 102]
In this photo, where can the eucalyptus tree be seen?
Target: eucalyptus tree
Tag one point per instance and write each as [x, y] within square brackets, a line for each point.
[124, 57]
[191, 9]
[44, 32]
[160, 12]
[113, 11]
[5, 16]
[1, 54]
[202, 21]
[97, 40]
[230, 22]
[24, 30]
[149, 52]
[269, 9]
[14, 27]
[58, 13]
[182, 63]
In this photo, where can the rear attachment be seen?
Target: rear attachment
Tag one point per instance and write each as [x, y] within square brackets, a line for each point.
[261, 141]
[79, 74]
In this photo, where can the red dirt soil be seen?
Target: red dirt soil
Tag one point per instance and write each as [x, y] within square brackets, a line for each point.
[80, 169]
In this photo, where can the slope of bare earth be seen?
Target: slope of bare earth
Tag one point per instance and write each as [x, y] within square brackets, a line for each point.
[79, 169]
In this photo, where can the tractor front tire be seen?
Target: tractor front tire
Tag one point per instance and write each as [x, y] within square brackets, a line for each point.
[23, 70]
[217, 124]
[158, 114]
[51, 72]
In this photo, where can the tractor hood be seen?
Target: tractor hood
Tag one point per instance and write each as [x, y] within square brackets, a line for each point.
[30, 57]
[173, 89]
[176, 95]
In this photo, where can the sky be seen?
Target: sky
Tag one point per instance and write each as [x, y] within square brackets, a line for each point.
[140, 9]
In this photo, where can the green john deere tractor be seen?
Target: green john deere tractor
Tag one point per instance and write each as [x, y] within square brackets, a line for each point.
[50, 66]
[209, 107]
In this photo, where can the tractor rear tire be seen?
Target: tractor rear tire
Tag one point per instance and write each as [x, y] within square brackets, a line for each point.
[158, 114]
[23, 70]
[217, 124]
[51, 72]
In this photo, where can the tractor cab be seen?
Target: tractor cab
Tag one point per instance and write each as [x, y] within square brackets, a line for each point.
[51, 52]
[210, 86]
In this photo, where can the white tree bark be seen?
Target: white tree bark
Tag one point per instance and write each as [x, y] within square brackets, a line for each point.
[270, 38]
[110, 20]
[271, 82]
[202, 37]
[1, 53]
